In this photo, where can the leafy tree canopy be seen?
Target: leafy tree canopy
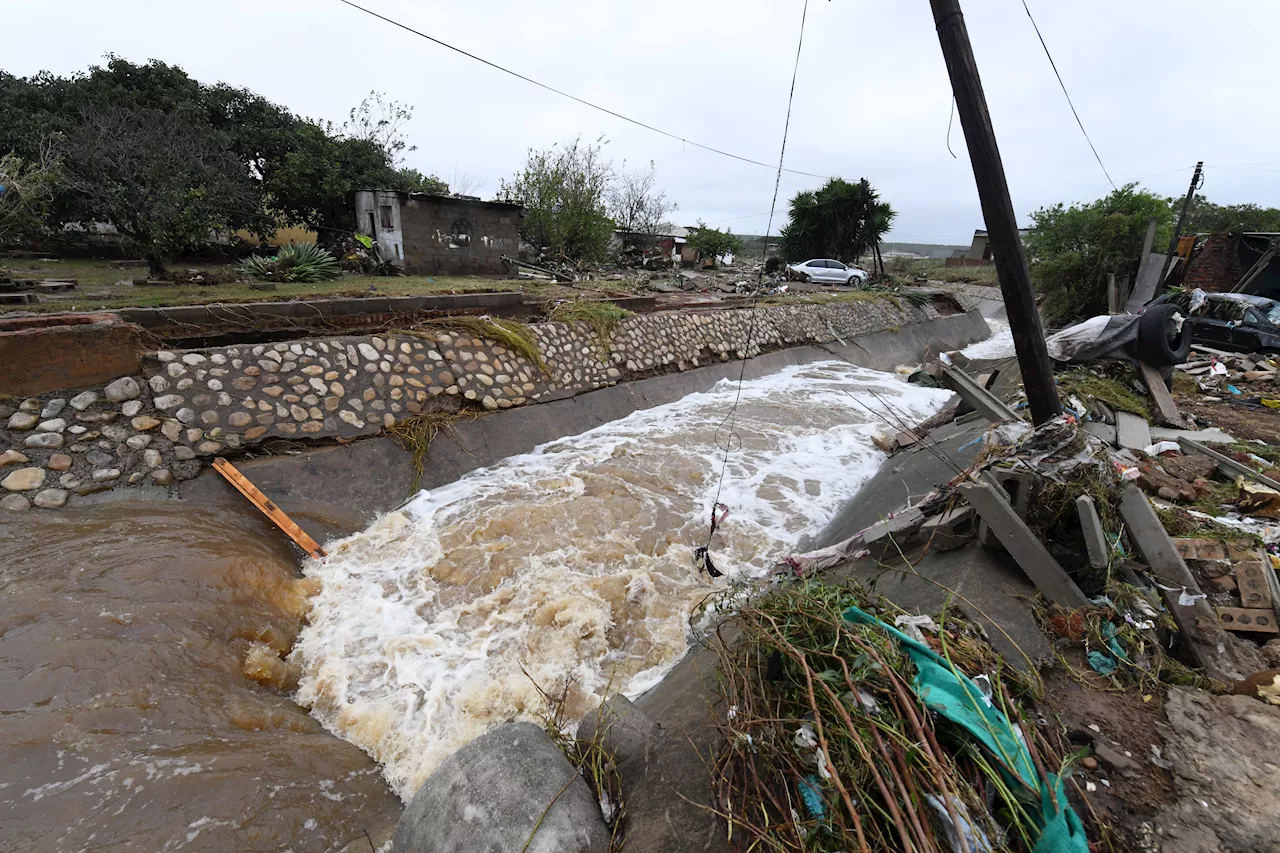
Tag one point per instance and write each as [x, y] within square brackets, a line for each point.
[712, 243]
[563, 190]
[1205, 217]
[298, 171]
[1072, 249]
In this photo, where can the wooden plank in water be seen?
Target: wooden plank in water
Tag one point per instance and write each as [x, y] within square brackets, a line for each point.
[268, 508]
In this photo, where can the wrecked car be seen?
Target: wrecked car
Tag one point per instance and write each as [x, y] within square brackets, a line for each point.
[1240, 322]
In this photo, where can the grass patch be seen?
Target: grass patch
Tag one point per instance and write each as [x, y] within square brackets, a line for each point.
[1184, 384]
[512, 334]
[602, 317]
[1089, 386]
[416, 434]
[1262, 451]
[100, 287]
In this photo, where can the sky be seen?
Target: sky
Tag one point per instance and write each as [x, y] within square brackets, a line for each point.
[1159, 84]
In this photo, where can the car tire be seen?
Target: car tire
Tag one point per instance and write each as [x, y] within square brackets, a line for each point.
[1158, 345]
[805, 278]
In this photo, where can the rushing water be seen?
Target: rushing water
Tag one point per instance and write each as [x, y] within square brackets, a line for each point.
[571, 566]
[146, 704]
[127, 719]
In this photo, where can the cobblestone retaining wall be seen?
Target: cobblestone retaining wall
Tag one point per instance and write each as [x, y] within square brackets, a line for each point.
[157, 428]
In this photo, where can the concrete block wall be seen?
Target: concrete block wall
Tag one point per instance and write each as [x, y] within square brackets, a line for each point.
[187, 407]
[446, 236]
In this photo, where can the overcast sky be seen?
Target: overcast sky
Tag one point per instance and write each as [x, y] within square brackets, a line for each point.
[1158, 84]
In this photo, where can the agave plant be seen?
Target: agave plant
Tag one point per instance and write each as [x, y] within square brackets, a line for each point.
[301, 263]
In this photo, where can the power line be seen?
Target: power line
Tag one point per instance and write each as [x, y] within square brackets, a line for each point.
[1054, 65]
[562, 93]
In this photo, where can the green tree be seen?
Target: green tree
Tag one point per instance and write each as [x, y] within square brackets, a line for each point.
[164, 181]
[314, 184]
[302, 171]
[1205, 217]
[841, 220]
[1072, 249]
[563, 190]
[26, 191]
[413, 181]
[712, 243]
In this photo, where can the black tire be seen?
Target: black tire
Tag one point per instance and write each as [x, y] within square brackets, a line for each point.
[1158, 344]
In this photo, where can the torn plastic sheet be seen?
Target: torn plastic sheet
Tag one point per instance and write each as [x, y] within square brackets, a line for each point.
[1186, 598]
[911, 625]
[974, 838]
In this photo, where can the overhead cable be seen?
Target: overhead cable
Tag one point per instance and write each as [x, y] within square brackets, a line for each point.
[565, 94]
[1054, 65]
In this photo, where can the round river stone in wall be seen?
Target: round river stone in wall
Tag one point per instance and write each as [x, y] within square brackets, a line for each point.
[23, 480]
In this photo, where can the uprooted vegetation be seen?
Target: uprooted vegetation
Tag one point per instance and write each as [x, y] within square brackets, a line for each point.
[832, 743]
[512, 334]
[417, 434]
[602, 317]
[1092, 386]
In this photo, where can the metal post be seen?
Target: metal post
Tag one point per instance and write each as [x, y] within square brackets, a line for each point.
[997, 210]
[1182, 219]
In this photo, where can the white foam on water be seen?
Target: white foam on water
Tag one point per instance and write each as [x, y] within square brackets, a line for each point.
[999, 345]
[570, 568]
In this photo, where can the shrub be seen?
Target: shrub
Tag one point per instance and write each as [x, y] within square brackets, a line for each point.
[300, 263]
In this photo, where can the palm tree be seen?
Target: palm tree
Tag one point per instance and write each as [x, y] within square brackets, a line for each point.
[841, 220]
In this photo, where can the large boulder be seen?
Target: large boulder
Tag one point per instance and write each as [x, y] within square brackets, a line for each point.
[489, 796]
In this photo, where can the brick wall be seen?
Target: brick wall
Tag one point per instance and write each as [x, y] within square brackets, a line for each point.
[1217, 266]
[446, 236]
[39, 354]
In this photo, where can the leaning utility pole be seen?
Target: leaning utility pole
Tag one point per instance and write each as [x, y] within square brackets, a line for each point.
[1182, 220]
[997, 210]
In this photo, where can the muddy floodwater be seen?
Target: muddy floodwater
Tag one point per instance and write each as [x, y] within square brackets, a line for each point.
[126, 719]
[174, 681]
[570, 570]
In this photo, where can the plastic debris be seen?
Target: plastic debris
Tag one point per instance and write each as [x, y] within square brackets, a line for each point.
[912, 625]
[1160, 447]
[1102, 664]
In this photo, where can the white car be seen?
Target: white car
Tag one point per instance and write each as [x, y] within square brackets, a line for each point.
[828, 271]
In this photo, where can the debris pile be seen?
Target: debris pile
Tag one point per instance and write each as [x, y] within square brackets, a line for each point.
[852, 725]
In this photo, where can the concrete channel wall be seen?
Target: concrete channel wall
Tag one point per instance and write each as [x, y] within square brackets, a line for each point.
[340, 489]
[158, 429]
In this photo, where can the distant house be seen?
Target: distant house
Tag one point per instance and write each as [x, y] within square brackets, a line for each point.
[980, 249]
[979, 253]
[672, 240]
[439, 235]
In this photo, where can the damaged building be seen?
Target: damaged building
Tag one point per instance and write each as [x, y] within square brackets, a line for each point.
[1243, 263]
[439, 235]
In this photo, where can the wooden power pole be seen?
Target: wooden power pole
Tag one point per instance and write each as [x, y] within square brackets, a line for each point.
[997, 210]
[1182, 220]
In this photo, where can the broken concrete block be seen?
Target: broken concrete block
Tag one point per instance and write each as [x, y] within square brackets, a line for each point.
[900, 526]
[951, 529]
[622, 728]
[1132, 431]
[1106, 432]
[1095, 538]
[1024, 546]
[1017, 487]
[1198, 625]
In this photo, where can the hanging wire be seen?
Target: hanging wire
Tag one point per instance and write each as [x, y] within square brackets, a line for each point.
[731, 419]
[1054, 65]
[565, 94]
